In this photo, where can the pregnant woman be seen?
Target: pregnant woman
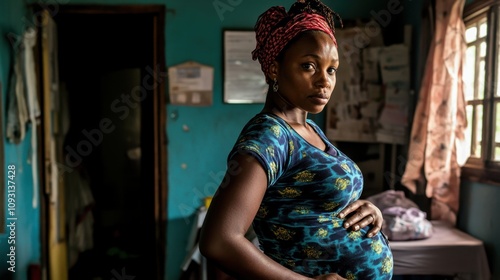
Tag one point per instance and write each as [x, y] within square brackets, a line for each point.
[284, 178]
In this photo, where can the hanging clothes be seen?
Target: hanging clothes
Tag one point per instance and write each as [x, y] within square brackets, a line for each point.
[24, 108]
[17, 110]
[23, 101]
[438, 131]
[29, 41]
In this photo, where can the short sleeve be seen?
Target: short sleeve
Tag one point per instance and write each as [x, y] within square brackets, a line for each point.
[267, 140]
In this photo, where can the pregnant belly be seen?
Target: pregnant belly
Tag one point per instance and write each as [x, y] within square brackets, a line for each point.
[327, 248]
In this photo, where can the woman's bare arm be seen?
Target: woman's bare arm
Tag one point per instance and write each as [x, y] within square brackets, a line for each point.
[231, 212]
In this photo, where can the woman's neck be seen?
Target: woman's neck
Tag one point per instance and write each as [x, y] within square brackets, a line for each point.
[278, 105]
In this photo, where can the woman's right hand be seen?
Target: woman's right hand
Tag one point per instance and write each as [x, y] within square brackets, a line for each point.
[330, 276]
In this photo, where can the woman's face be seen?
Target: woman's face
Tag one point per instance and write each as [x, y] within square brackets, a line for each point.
[306, 74]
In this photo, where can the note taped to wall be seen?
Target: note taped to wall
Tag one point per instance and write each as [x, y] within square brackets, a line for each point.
[191, 83]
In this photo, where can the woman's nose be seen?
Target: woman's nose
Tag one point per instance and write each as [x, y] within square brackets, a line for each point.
[324, 80]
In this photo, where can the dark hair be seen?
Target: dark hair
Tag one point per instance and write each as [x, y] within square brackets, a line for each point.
[313, 7]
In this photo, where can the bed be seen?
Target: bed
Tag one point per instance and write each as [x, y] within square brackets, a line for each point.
[448, 251]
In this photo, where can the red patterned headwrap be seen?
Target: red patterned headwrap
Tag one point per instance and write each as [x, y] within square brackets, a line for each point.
[271, 38]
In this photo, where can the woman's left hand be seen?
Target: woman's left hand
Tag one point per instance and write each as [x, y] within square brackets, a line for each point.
[362, 213]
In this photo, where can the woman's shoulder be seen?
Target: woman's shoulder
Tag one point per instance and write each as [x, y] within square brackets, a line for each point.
[266, 119]
[266, 123]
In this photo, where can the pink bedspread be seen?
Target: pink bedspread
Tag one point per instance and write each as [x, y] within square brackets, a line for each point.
[448, 251]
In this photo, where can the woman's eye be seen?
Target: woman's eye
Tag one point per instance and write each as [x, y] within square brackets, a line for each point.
[307, 66]
[332, 70]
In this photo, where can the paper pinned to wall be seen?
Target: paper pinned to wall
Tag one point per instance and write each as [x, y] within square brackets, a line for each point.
[393, 120]
[395, 66]
[191, 83]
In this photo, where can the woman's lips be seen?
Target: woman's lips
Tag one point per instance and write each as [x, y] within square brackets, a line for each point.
[320, 99]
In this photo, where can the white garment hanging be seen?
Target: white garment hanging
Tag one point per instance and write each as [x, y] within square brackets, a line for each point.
[29, 41]
[17, 114]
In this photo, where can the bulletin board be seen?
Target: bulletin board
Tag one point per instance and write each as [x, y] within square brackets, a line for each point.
[371, 96]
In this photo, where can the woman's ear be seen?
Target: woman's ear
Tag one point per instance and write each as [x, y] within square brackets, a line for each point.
[273, 70]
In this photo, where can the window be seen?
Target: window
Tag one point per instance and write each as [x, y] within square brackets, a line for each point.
[482, 94]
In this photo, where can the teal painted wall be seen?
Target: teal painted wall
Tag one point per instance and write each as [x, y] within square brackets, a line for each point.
[13, 18]
[478, 216]
[199, 138]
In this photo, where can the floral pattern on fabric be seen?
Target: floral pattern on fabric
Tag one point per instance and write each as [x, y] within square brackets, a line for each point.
[297, 223]
[438, 144]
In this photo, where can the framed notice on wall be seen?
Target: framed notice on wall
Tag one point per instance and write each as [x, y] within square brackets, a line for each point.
[244, 81]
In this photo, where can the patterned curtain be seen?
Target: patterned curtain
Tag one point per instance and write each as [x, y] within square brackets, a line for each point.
[438, 131]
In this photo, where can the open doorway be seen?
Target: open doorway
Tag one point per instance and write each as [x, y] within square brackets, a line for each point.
[109, 61]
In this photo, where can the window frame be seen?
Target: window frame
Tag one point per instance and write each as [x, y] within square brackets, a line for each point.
[485, 169]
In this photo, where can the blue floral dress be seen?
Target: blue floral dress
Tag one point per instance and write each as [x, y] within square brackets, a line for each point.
[297, 223]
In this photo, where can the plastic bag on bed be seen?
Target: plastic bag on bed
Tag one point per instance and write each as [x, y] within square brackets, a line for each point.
[406, 224]
[391, 198]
